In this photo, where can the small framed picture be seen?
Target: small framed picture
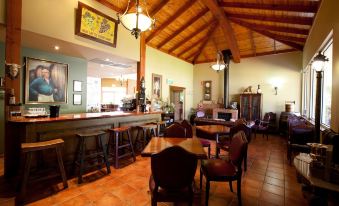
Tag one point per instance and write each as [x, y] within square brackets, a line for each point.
[77, 99]
[77, 86]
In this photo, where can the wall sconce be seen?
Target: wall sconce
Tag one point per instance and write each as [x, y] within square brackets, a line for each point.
[276, 90]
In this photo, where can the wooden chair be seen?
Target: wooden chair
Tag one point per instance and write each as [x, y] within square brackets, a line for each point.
[224, 145]
[189, 134]
[173, 171]
[28, 148]
[143, 139]
[175, 130]
[262, 126]
[116, 145]
[226, 170]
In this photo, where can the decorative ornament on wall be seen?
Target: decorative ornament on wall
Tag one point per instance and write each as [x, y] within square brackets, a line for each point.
[12, 70]
[207, 90]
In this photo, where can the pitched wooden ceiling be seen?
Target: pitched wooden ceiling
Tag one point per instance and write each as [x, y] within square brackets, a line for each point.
[194, 30]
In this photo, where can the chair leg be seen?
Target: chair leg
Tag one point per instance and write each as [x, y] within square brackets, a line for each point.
[209, 151]
[116, 163]
[239, 190]
[61, 167]
[81, 160]
[201, 176]
[26, 174]
[130, 142]
[105, 153]
[207, 192]
[231, 186]
[245, 161]
[217, 151]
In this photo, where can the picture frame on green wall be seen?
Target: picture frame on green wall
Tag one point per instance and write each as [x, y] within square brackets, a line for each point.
[77, 86]
[77, 99]
[45, 81]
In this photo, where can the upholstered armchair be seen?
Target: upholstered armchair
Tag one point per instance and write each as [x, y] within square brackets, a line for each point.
[226, 170]
[173, 171]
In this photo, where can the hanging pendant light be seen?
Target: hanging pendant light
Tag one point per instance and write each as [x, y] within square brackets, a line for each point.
[136, 21]
[219, 65]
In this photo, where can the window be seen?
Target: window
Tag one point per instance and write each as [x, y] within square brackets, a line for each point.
[113, 95]
[309, 78]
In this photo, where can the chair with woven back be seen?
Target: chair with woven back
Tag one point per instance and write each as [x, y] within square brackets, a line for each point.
[262, 125]
[175, 130]
[173, 171]
[229, 170]
[189, 134]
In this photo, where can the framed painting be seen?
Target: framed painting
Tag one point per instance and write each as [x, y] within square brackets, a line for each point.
[77, 86]
[94, 25]
[77, 99]
[45, 82]
[207, 90]
[156, 86]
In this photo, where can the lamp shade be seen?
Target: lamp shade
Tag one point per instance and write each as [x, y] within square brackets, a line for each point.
[130, 21]
[318, 63]
[218, 67]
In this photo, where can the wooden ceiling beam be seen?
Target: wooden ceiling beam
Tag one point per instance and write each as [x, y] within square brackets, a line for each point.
[200, 29]
[201, 47]
[111, 6]
[309, 6]
[181, 10]
[183, 27]
[279, 38]
[283, 29]
[226, 27]
[274, 18]
[251, 55]
[253, 47]
[276, 36]
[158, 7]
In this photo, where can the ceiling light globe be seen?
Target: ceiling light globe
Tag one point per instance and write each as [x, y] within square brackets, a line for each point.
[129, 21]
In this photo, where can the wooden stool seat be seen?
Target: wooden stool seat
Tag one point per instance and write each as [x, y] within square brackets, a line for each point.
[120, 129]
[149, 126]
[90, 133]
[28, 149]
[115, 143]
[98, 155]
[36, 146]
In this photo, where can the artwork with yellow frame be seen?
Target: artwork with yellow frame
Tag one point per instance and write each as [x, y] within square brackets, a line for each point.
[95, 25]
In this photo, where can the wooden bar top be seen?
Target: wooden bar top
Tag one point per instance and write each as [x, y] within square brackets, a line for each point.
[80, 116]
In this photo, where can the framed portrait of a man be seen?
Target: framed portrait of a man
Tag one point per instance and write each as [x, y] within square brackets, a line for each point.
[156, 86]
[45, 82]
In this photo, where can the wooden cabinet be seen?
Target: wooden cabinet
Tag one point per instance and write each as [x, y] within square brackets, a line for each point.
[250, 106]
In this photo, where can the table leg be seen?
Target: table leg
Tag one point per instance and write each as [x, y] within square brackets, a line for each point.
[216, 145]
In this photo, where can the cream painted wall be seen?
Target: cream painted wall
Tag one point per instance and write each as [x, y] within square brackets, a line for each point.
[282, 70]
[172, 68]
[56, 18]
[327, 20]
[203, 72]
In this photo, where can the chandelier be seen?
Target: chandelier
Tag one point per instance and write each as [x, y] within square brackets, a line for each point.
[219, 65]
[135, 19]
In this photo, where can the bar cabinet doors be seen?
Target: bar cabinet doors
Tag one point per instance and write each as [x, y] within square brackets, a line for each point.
[250, 106]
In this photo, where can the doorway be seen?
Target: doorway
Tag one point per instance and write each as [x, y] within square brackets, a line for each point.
[177, 97]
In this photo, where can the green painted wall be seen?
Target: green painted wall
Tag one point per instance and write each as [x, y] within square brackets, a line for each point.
[77, 71]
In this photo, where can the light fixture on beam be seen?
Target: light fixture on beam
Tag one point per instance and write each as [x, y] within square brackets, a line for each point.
[219, 65]
[318, 64]
[135, 20]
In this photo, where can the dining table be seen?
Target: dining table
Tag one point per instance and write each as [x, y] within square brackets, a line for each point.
[214, 130]
[157, 144]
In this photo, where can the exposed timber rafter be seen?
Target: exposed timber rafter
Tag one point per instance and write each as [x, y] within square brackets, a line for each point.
[197, 42]
[280, 38]
[202, 46]
[181, 10]
[183, 27]
[310, 6]
[274, 18]
[158, 7]
[226, 27]
[283, 29]
[200, 29]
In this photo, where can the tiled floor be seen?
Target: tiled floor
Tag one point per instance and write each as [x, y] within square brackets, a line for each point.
[268, 181]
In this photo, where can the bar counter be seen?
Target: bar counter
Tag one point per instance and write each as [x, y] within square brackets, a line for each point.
[66, 126]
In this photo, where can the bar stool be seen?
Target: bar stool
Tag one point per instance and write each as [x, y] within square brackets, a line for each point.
[152, 128]
[113, 142]
[28, 148]
[161, 125]
[98, 155]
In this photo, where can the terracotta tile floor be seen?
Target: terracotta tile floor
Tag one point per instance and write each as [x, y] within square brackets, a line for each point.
[268, 181]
